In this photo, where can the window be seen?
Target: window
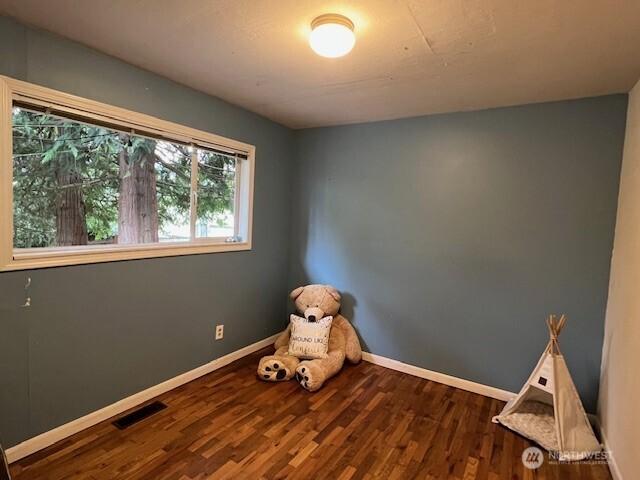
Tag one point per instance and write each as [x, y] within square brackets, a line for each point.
[84, 182]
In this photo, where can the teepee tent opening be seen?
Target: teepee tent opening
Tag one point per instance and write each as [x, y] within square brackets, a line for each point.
[548, 409]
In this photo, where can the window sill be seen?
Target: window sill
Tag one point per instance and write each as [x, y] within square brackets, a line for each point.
[44, 258]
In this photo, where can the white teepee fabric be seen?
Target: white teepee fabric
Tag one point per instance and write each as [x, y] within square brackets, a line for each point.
[548, 409]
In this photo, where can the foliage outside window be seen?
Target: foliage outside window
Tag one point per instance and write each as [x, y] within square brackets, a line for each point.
[79, 185]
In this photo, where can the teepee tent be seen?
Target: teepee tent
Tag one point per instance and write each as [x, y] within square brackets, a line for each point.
[548, 409]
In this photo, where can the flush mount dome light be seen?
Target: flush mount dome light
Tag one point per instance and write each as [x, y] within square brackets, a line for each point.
[332, 35]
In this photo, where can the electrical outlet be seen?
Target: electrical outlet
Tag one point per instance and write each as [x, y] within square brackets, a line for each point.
[219, 332]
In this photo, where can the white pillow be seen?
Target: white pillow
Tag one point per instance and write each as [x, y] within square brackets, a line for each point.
[309, 339]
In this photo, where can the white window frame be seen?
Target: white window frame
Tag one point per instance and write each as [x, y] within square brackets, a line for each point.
[20, 259]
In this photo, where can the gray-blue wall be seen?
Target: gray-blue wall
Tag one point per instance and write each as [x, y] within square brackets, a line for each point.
[454, 235]
[98, 333]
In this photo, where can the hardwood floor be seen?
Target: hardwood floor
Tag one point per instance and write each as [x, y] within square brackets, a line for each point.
[368, 422]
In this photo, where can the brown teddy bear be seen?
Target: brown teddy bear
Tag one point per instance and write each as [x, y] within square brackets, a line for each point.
[314, 302]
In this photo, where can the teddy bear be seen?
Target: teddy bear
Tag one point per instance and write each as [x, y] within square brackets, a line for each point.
[313, 302]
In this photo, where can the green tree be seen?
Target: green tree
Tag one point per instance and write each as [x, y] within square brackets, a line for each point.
[76, 183]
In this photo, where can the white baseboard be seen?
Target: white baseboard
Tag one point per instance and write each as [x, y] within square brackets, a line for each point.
[438, 377]
[613, 466]
[63, 431]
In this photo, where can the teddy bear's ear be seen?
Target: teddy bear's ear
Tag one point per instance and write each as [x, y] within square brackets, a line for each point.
[334, 293]
[296, 293]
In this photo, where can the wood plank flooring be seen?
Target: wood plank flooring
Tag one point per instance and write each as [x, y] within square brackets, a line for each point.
[367, 423]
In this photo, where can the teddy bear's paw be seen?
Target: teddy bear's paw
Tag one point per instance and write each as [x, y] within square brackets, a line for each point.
[273, 369]
[309, 376]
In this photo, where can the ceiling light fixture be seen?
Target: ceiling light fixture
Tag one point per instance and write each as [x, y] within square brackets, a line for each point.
[332, 35]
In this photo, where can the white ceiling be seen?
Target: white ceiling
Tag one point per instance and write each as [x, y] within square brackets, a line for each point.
[412, 57]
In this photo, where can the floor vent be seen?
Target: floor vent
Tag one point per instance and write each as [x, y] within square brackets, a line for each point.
[139, 415]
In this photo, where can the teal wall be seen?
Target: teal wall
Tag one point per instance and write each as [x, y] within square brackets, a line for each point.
[453, 236]
[98, 333]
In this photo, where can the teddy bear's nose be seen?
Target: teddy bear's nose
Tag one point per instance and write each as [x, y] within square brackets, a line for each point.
[313, 314]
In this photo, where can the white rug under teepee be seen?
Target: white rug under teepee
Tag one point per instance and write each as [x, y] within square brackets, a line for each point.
[548, 409]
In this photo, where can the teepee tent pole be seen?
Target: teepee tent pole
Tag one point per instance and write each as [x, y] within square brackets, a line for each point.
[555, 326]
